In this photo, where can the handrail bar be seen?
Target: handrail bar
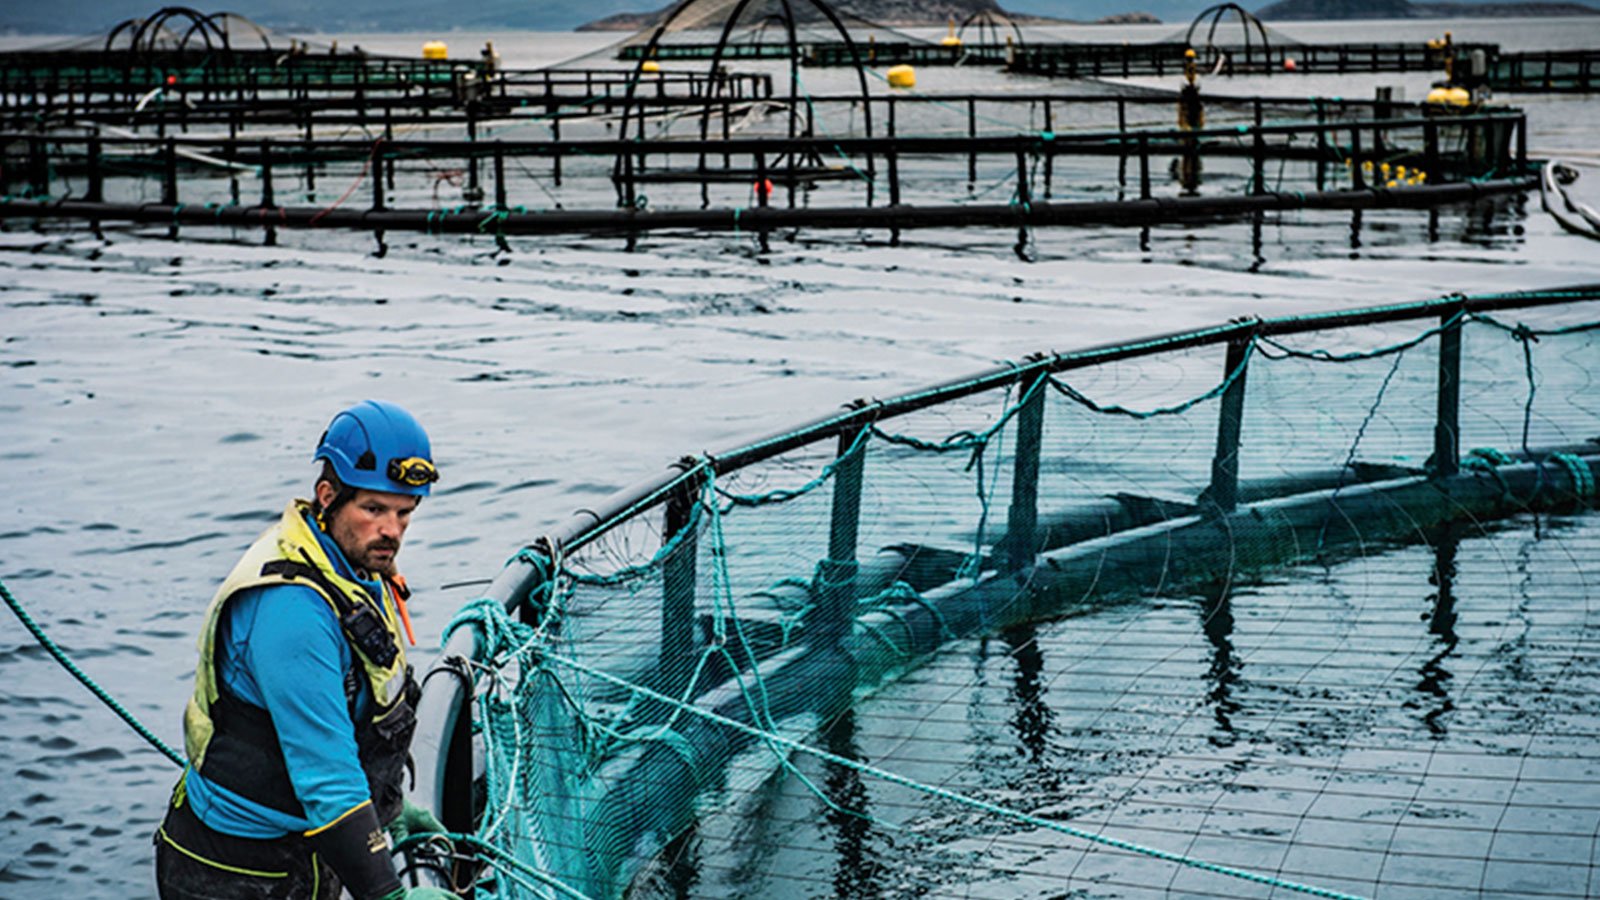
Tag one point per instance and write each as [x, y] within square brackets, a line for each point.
[589, 524]
[1005, 144]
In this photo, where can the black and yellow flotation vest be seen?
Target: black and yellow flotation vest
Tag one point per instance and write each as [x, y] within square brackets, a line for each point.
[233, 743]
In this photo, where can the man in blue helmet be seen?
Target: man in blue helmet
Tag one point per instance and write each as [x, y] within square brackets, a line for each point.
[299, 730]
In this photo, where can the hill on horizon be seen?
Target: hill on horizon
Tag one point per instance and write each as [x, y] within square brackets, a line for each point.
[95, 17]
[91, 17]
[1323, 10]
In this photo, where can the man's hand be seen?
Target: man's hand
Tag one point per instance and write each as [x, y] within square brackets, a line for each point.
[413, 819]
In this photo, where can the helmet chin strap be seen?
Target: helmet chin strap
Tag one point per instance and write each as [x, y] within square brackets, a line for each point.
[343, 493]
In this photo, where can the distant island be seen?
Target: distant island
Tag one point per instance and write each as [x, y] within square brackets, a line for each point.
[898, 13]
[929, 13]
[1304, 10]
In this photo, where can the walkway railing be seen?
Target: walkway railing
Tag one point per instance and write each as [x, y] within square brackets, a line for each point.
[1361, 163]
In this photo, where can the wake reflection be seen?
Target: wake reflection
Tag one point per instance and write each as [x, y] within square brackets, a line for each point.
[1031, 718]
[1217, 621]
[682, 871]
[857, 872]
[1435, 679]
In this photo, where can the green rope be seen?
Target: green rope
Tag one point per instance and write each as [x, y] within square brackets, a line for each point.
[1521, 330]
[630, 573]
[811, 106]
[963, 440]
[1583, 484]
[1178, 409]
[1285, 352]
[1361, 432]
[72, 667]
[643, 503]
[781, 495]
[1526, 337]
[944, 794]
[495, 857]
[997, 184]
[1485, 459]
[900, 591]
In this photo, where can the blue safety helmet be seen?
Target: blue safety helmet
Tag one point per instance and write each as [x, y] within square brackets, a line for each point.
[379, 447]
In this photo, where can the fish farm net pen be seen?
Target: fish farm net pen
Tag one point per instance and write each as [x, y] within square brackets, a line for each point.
[1156, 543]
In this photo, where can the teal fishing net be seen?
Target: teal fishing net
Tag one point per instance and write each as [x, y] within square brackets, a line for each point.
[1063, 636]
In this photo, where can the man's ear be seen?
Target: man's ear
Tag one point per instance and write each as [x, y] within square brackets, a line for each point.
[325, 493]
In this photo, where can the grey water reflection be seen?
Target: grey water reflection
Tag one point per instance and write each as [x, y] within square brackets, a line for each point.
[1435, 678]
[1031, 716]
[857, 871]
[1216, 620]
[682, 870]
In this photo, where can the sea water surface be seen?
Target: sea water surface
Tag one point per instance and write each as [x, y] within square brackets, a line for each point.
[160, 399]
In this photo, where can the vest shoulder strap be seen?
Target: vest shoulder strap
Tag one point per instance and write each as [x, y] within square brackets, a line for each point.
[361, 625]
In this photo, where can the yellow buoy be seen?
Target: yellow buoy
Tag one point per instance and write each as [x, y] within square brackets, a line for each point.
[435, 50]
[650, 65]
[902, 76]
[950, 39]
[1449, 96]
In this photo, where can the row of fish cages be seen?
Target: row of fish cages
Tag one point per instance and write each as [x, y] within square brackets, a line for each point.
[1081, 60]
[1546, 71]
[257, 67]
[918, 162]
[135, 91]
[1130, 60]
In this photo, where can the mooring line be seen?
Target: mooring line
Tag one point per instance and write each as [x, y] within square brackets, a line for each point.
[942, 793]
[72, 667]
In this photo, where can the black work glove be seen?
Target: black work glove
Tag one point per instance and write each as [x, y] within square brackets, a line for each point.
[357, 850]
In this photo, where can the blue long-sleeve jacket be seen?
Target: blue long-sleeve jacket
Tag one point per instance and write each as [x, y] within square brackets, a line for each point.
[281, 649]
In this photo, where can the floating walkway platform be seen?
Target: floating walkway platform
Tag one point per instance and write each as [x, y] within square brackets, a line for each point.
[1355, 164]
[1537, 71]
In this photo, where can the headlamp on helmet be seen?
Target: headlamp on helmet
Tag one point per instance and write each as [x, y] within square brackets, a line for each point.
[373, 430]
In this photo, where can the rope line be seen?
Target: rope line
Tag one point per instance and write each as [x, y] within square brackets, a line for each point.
[66, 662]
[973, 802]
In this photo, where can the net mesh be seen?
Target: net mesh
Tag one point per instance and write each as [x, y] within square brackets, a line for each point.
[844, 671]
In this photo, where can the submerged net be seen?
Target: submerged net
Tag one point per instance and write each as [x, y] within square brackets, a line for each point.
[897, 663]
